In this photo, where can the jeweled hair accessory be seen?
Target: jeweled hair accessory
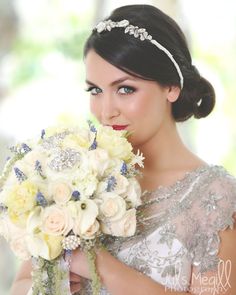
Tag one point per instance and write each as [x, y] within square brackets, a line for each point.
[140, 33]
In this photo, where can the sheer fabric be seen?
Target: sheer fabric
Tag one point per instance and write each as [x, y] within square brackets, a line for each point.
[178, 227]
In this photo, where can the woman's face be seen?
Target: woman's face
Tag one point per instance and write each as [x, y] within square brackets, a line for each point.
[117, 98]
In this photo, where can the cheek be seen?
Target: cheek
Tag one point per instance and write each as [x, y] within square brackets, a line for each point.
[94, 108]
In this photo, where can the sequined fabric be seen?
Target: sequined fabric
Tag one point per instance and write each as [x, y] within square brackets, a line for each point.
[178, 227]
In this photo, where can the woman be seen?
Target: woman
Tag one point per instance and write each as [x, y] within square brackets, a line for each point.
[142, 80]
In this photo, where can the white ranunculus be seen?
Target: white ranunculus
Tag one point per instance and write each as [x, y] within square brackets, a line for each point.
[87, 212]
[56, 220]
[133, 192]
[113, 207]
[86, 184]
[124, 227]
[114, 142]
[60, 191]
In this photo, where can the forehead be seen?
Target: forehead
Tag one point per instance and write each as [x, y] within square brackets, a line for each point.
[97, 67]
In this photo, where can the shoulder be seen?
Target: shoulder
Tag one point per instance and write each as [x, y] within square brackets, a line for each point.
[218, 197]
[212, 212]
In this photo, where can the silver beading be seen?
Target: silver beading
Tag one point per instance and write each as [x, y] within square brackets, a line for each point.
[140, 33]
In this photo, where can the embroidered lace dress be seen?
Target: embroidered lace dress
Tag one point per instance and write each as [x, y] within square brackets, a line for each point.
[178, 227]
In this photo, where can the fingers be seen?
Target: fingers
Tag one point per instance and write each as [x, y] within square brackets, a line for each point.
[74, 278]
[75, 287]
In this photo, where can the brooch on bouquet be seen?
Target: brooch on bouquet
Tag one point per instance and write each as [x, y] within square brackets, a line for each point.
[70, 187]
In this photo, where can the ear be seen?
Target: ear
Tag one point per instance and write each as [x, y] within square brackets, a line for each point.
[173, 93]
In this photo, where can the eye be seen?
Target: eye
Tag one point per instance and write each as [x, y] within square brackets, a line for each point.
[93, 90]
[127, 90]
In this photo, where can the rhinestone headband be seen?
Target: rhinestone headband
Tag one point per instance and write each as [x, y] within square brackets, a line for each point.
[140, 33]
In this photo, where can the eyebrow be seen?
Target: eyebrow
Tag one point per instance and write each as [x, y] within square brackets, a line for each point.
[114, 82]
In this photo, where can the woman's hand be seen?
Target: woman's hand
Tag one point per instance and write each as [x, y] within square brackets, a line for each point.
[79, 264]
[75, 285]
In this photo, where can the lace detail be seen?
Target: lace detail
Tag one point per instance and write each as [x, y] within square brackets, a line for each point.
[178, 227]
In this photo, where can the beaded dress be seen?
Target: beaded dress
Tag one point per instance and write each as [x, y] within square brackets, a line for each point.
[178, 228]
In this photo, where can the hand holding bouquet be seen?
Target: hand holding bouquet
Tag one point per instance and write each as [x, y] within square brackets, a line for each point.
[68, 189]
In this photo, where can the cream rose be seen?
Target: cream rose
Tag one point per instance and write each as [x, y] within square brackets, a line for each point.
[60, 191]
[133, 193]
[87, 211]
[56, 220]
[92, 230]
[98, 161]
[113, 207]
[124, 227]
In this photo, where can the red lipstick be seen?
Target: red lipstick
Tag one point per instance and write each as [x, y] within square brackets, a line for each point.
[119, 127]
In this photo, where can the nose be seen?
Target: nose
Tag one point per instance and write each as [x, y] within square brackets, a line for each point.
[110, 108]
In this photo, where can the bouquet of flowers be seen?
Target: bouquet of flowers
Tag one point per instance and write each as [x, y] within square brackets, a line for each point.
[66, 189]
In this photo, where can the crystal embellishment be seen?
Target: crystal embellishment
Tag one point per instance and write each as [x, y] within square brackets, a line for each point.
[64, 159]
[142, 34]
[108, 25]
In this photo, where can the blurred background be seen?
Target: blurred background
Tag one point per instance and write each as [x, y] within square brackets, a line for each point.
[42, 74]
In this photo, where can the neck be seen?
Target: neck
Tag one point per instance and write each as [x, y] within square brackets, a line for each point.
[166, 152]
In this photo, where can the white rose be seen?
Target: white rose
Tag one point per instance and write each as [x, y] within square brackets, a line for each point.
[91, 232]
[99, 161]
[124, 227]
[133, 192]
[87, 211]
[114, 167]
[19, 246]
[113, 207]
[119, 187]
[56, 220]
[60, 191]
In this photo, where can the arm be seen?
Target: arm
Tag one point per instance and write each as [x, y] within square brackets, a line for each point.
[22, 282]
[117, 277]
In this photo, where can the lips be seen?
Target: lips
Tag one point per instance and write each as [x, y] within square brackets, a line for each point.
[119, 127]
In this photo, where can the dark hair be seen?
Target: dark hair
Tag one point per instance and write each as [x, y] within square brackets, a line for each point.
[145, 60]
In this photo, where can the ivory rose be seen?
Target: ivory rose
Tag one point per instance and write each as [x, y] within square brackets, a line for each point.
[124, 227]
[56, 220]
[60, 191]
[113, 207]
[133, 193]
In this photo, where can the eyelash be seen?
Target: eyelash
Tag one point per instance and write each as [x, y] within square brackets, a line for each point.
[125, 86]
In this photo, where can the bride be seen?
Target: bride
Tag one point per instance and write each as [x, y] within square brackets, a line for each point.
[141, 78]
